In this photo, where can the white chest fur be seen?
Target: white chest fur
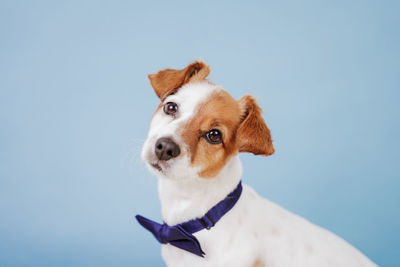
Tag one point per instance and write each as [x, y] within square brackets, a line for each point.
[255, 230]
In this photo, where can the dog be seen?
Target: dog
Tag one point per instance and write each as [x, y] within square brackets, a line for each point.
[195, 137]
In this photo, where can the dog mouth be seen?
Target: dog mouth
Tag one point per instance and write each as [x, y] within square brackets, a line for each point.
[156, 166]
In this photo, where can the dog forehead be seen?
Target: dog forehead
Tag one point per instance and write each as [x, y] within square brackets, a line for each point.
[189, 99]
[191, 96]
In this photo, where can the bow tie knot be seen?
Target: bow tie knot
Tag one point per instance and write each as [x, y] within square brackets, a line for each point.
[174, 235]
[164, 234]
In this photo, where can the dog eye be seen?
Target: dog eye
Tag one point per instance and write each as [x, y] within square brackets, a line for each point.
[214, 136]
[170, 108]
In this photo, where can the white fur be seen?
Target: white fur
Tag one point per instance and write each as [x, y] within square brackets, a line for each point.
[254, 229]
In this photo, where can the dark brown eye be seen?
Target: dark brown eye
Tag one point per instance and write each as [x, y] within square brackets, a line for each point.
[214, 136]
[170, 108]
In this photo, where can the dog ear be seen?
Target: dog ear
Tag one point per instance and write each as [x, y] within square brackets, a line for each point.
[168, 81]
[253, 135]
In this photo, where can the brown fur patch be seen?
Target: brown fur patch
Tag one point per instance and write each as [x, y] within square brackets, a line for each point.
[220, 112]
[242, 127]
[253, 134]
[168, 81]
[258, 263]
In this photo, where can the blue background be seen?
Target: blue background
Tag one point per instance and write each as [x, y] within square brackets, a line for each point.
[75, 105]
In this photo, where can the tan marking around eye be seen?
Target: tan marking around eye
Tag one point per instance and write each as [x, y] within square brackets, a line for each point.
[222, 112]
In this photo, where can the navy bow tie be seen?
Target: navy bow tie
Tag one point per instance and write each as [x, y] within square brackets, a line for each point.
[181, 235]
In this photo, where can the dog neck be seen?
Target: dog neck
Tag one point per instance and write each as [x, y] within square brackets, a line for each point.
[184, 200]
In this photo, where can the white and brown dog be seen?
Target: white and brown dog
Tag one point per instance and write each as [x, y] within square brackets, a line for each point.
[195, 137]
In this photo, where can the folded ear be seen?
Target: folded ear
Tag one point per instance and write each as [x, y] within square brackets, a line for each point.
[168, 81]
[253, 135]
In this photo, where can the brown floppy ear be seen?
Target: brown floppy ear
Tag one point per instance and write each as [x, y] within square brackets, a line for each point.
[253, 135]
[168, 81]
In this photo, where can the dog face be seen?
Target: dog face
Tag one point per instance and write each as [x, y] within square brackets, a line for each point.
[198, 126]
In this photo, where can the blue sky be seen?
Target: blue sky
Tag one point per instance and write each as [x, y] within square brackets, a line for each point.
[75, 105]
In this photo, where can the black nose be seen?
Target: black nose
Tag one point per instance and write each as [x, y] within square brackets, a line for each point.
[166, 149]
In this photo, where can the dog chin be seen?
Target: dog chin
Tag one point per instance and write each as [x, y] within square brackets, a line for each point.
[174, 169]
[158, 168]
[171, 170]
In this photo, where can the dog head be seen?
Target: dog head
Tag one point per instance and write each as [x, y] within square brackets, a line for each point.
[198, 126]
